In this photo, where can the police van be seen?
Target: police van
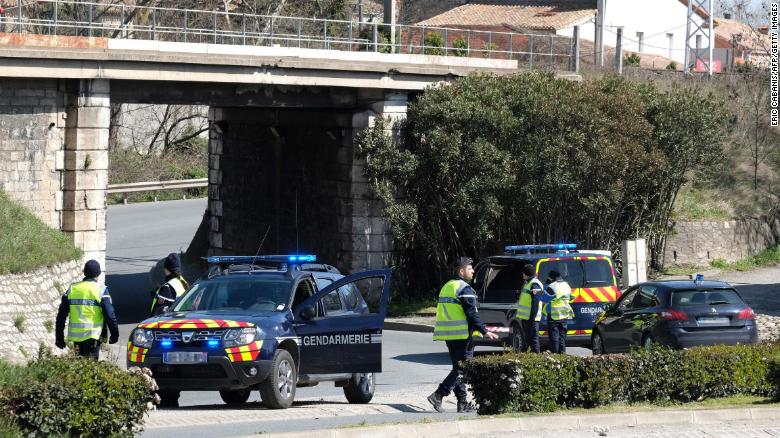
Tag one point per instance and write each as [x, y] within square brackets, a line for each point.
[271, 323]
[498, 281]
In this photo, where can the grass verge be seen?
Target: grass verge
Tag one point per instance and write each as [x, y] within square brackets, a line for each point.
[411, 307]
[26, 243]
[767, 257]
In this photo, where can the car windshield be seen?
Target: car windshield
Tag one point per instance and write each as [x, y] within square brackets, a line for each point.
[570, 270]
[704, 297]
[598, 273]
[245, 294]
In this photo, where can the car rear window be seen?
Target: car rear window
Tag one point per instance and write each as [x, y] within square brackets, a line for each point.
[705, 297]
[598, 273]
[503, 283]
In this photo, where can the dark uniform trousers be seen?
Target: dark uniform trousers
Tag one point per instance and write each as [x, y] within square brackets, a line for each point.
[557, 330]
[530, 335]
[460, 351]
[89, 348]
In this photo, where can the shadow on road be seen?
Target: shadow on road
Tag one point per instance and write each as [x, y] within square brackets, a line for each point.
[762, 298]
[130, 295]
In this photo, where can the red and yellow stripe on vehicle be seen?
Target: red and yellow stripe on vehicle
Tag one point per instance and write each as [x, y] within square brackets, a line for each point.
[195, 324]
[595, 294]
[136, 354]
[245, 352]
[569, 332]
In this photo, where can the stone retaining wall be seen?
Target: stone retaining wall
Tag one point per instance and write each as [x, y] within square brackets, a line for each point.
[698, 243]
[28, 308]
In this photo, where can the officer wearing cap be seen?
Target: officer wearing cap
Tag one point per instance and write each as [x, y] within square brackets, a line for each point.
[173, 286]
[558, 310]
[456, 319]
[88, 308]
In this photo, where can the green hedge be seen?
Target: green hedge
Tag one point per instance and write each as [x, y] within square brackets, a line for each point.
[521, 382]
[76, 396]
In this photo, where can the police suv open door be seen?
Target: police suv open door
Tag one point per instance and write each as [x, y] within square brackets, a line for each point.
[346, 341]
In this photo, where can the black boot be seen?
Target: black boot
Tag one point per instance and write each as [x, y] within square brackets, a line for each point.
[435, 401]
[466, 407]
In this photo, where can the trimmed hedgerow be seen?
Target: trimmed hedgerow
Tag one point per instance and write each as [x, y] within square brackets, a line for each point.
[541, 383]
[77, 397]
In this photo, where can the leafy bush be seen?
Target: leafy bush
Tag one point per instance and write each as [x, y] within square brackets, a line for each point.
[632, 60]
[434, 44]
[488, 48]
[460, 47]
[475, 157]
[77, 396]
[541, 383]
[671, 66]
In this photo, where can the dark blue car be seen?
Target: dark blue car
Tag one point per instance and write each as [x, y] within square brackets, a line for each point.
[271, 323]
[676, 313]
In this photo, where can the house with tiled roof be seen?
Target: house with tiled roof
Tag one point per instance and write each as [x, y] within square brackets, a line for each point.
[656, 28]
[737, 42]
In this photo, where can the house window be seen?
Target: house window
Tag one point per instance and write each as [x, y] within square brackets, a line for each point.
[640, 40]
[670, 36]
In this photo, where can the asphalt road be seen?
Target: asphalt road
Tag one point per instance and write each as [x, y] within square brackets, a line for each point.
[141, 234]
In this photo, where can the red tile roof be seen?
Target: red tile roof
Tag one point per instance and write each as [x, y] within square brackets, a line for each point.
[517, 14]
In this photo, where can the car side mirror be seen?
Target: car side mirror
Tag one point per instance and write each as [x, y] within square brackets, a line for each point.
[308, 313]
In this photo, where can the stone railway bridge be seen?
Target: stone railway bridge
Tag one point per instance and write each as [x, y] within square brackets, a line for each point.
[282, 128]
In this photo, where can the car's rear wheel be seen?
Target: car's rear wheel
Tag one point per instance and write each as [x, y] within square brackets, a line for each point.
[597, 344]
[169, 398]
[517, 338]
[360, 388]
[237, 397]
[278, 390]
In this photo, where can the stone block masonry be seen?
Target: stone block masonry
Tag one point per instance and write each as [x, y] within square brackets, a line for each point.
[32, 121]
[28, 308]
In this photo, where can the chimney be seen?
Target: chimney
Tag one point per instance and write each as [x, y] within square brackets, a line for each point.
[727, 15]
[763, 29]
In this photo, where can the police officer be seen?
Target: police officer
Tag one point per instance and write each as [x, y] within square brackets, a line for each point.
[174, 285]
[88, 308]
[456, 319]
[557, 294]
[529, 310]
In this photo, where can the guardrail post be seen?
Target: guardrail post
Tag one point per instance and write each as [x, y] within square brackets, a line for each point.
[54, 17]
[376, 37]
[214, 20]
[298, 26]
[243, 29]
[154, 23]
[530, 51]
[575, 50]
[468, 43]
[446, 43]
[350, 36]
[511, 55]
[122, 21]
[186, 18]
[89, 28]
[325, 34]
[271, 32]
[490, 45]
[19, 4]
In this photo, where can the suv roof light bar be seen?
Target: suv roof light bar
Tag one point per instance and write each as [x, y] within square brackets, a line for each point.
[285, 258]
[549, 247]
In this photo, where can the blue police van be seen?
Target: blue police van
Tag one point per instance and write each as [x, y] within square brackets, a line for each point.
[271, 323]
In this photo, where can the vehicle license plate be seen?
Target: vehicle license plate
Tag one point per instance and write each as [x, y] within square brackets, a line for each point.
[713, 320]
[185, 357]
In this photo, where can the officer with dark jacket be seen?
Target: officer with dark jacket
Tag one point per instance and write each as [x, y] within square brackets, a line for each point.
[173, 286]
[88, 308]
[456, 319]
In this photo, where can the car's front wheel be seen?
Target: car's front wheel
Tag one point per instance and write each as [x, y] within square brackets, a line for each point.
[278, 390]
[360, 388]
[597, 344]
[237, 397]
[517, 338]
[168, 398]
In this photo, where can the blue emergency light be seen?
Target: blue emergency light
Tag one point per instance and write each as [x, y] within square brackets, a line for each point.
[166, 343]
[213, 343]
[550, 247]
[288, 258]
[699, 278]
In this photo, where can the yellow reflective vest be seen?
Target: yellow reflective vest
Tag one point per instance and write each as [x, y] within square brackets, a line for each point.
[451, 321]
[177, 287]
[526, 301]
[560, 308]
[85, 317]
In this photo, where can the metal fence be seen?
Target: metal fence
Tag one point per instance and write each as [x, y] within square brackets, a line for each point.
[94, 19]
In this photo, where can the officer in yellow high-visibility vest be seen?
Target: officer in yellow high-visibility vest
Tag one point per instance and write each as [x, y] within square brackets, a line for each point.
[529, 310]
[174, 285]
[558, 310]
[87, 307]
[456, 319]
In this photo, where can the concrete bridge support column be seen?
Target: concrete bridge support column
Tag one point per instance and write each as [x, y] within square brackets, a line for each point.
[370, 243]
[86, 167]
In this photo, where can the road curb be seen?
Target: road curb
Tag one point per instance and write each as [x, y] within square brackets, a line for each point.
[542, 422]
[408, 327]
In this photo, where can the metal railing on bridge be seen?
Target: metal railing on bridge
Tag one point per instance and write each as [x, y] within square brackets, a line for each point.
[125, 21]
